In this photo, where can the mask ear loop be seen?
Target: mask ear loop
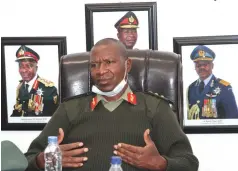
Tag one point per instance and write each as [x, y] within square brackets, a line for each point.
[125, 74]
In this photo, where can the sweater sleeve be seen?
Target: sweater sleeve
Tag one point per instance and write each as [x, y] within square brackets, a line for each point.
[58, 120]
[171, 141]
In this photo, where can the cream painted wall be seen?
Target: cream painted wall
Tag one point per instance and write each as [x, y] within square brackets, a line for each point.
[176, 18]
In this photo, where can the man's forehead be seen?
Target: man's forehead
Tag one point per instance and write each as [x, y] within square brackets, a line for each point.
[126, 29]
[203, 62]
[26, 62]
[105, 52]
[104, 57]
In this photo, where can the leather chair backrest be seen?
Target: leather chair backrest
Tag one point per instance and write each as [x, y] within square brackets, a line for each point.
[156, 71]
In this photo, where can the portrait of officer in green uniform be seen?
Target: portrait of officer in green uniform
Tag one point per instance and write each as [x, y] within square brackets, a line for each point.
[127, 29]
[35, 96]
[136, 29]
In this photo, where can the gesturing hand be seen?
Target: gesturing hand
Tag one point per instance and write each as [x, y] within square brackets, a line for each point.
[71, 150]
[146, 157]
[69, 153]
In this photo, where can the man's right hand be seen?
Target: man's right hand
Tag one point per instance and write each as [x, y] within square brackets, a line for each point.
[68, 153]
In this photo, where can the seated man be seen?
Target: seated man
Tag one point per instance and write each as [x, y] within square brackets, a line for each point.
[139, 127]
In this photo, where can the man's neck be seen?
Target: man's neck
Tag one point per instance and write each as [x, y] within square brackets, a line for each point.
[31, 82]
[207, 79]
[116, 97]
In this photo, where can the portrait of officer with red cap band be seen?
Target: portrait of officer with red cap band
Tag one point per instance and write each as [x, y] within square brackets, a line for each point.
[35, 96]
[127, 29]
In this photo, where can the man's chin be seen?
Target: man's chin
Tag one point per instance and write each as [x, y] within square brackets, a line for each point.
[105, 88]
[203, 77]
[130, 45]
[26, 79]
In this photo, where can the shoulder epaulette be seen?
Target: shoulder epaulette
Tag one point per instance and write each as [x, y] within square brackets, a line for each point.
[19, 85]
[223, 82]
[78, 96]
[159, 96]
[47, 83]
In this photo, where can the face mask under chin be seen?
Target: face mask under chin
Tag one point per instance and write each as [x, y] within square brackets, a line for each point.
[116, 90]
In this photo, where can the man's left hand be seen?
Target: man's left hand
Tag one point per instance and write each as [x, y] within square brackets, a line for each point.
[147, 157]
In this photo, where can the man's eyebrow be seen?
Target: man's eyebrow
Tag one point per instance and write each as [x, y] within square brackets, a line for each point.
[94, 61]
[26, 64]
[108, 59]
[104, 59]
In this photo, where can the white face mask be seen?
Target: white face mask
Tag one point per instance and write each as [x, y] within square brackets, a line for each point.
[116, 90]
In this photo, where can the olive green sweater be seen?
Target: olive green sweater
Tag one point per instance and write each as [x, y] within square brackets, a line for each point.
[100, 129]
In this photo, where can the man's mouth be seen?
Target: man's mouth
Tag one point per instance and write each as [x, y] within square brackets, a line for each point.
[202, 71]
[130, 41]
[25, 77]
[102, 81]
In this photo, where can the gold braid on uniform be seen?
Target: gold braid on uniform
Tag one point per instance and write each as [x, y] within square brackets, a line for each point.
[223, 82]
[18, 106]
[193, 112]
[47, 83]
[187, 103]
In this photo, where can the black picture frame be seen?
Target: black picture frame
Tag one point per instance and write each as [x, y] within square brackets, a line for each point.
[45, 43]
[222, 43]
[150, 7]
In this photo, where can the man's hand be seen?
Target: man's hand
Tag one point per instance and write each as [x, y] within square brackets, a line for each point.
[146, 157]
[68, 153]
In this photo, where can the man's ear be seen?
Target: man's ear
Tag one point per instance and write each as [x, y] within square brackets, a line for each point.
[129, 64]
[118, 35]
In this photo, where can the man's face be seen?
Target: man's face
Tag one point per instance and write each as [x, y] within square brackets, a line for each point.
[107, 67]
[204, 69]
[27, 70]
[128, 36]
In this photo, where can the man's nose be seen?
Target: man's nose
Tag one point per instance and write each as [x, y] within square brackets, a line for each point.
[22, 70]
[102, 69]
[202, 66]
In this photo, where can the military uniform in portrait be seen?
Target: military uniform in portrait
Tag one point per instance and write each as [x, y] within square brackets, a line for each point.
[42, 100]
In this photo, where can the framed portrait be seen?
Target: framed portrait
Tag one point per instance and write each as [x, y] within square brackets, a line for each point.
[30, 72]
[210, 84]
[134, 24]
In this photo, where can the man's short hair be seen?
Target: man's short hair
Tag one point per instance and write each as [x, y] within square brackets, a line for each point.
[109, 41]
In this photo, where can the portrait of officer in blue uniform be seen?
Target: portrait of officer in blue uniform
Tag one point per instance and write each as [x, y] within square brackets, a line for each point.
[209, 97]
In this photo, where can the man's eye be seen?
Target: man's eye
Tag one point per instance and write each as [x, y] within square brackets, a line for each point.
[109, 62]
[93, 65]
[25, 67]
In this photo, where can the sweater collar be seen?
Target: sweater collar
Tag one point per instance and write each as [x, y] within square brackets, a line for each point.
[128, 96]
